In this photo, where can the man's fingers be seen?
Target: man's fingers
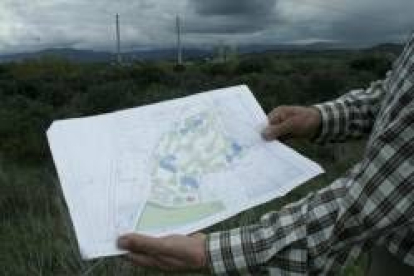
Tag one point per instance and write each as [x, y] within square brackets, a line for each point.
[274, 118]
[139, 243]
[142, 260]
[281, 113]
[152, 262]
[277, 115]
[161, 262]
[273, 132]
[175, 263]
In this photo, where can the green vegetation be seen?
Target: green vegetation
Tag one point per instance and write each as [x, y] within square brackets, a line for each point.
[36, 235]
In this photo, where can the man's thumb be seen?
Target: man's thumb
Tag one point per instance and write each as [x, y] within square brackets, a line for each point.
[140, 243]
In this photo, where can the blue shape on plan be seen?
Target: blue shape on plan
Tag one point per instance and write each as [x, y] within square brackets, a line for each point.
[189, 182]
[236, 148]
[229, 158]
[168, 163]
[192, 125]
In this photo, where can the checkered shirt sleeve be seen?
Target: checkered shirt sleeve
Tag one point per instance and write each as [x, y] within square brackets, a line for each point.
[352, 115]
[373, 203]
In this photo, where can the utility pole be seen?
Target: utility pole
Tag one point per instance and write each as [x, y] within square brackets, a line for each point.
[221, 52]
[179, 46]
[118, 40]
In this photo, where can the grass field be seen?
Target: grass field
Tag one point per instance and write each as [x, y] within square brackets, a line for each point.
[36, 234]
[37, 238]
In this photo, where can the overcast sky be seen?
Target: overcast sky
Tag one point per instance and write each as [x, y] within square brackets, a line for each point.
[90, 24]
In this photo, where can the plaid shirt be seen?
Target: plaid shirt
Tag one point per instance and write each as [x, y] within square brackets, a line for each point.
[373, 204]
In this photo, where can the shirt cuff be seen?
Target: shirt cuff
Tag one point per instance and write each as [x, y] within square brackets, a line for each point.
[327, 123]
[231, 252]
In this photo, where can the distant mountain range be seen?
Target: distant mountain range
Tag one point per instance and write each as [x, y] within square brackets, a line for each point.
[90, 56]
[96, 56]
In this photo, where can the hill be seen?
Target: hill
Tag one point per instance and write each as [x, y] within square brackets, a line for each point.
[190, 53]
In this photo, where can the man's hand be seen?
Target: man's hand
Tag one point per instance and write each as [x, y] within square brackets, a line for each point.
[172, 253]
[292, 122]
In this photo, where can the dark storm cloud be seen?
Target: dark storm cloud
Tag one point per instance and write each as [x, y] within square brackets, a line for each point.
[231, 16]
[376, 24]
[89, 24]
[233, 7]
[229, 26]
[358, 22]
